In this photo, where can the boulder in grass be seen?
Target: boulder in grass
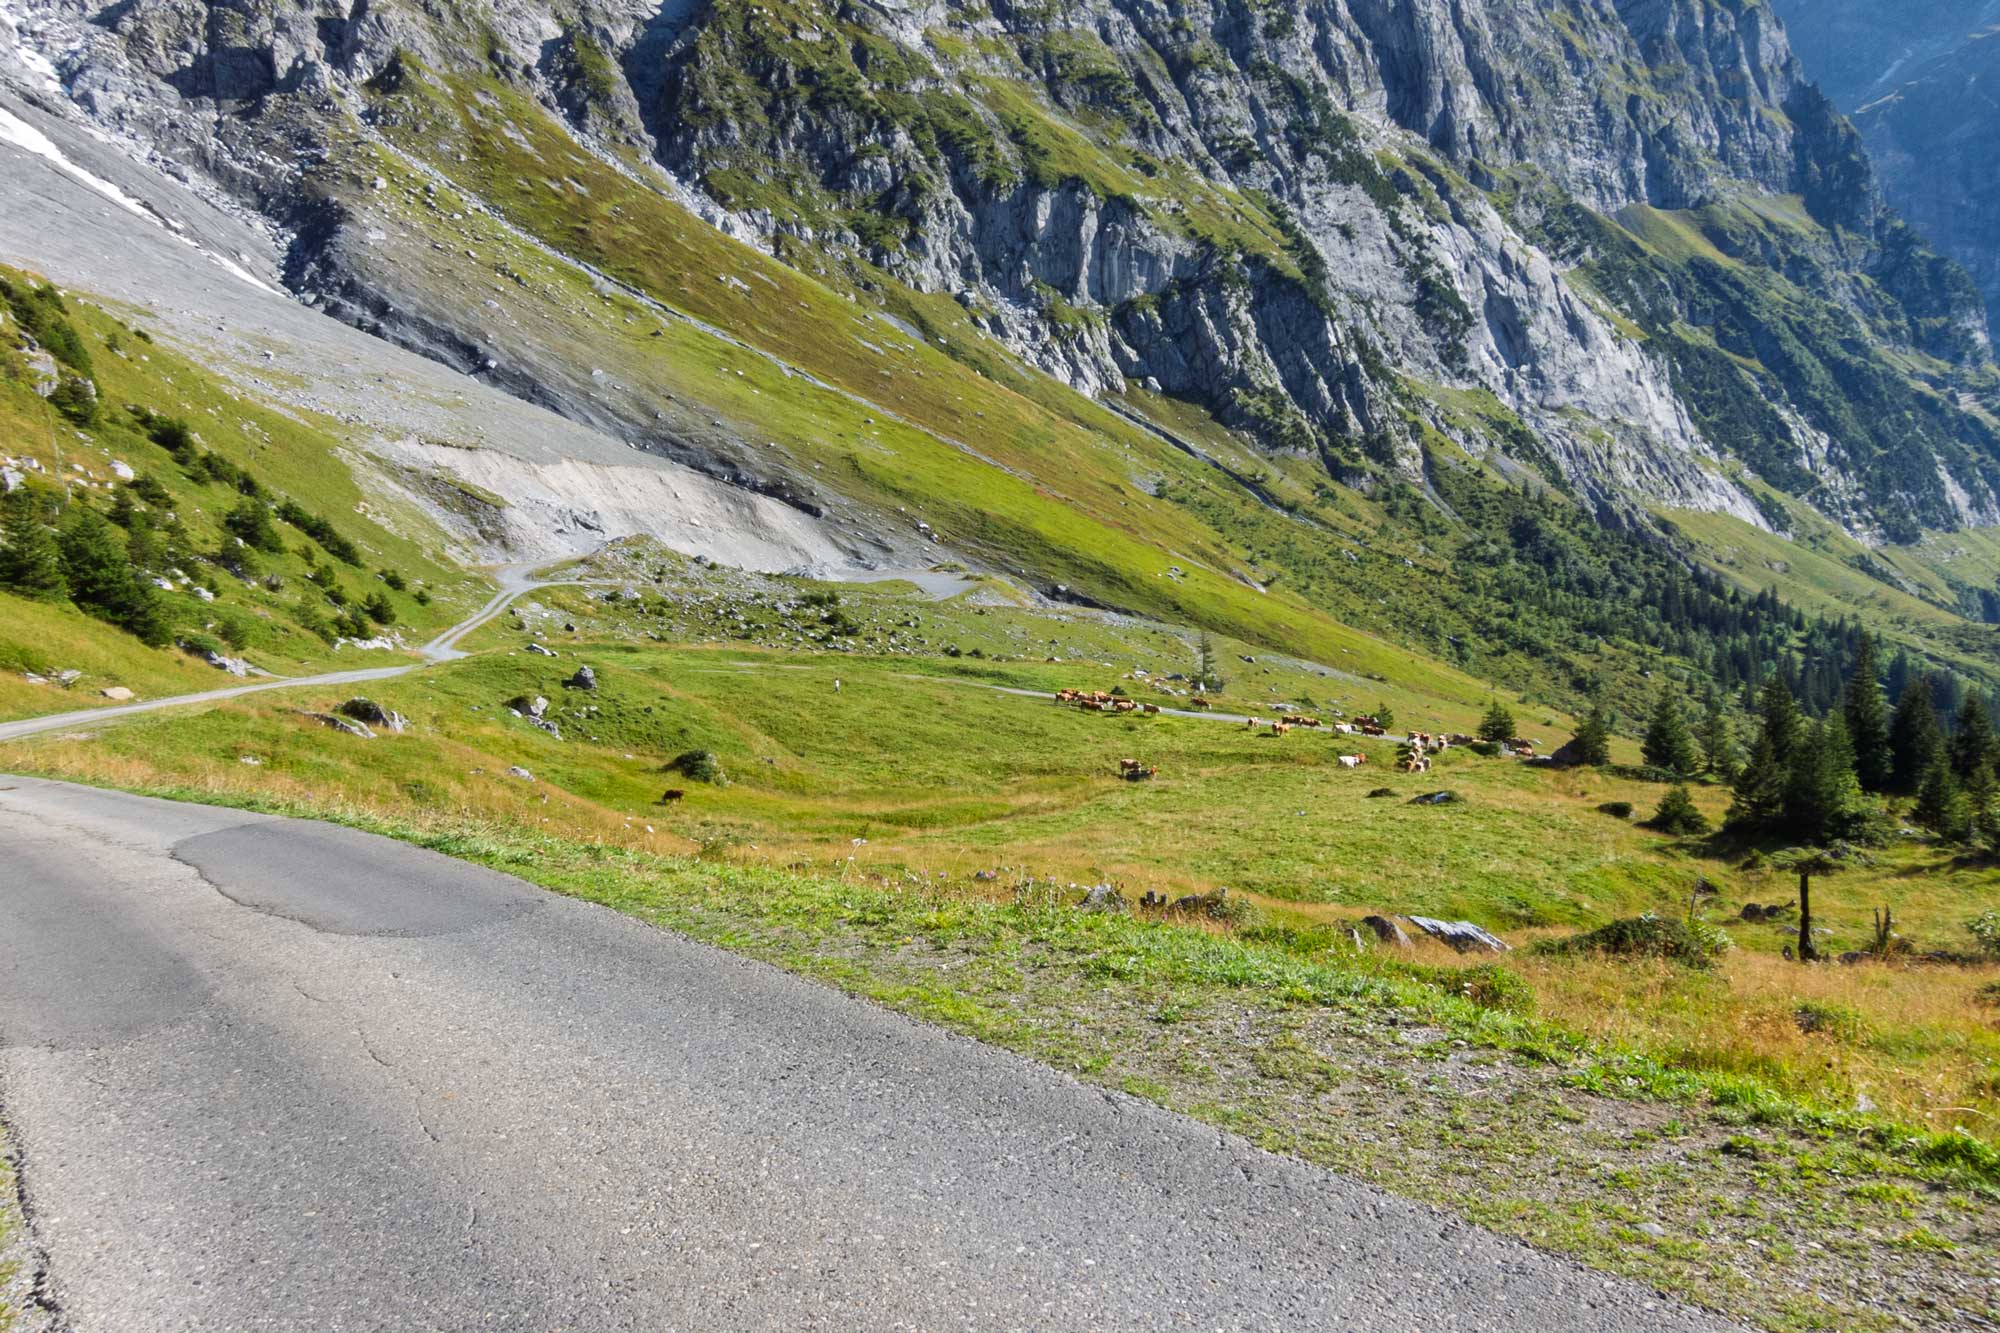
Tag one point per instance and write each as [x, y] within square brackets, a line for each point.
[368, 711]
[584, 679]
[1103, 898]
[1387, 931]
[346, 726]
[1461, 935]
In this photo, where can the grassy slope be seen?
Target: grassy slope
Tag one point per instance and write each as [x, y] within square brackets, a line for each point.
[1065, 498]
[289, 453]
[1569, 1105]
[916, 767]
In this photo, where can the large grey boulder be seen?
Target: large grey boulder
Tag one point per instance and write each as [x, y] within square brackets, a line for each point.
[1463, 936]
[368, 711]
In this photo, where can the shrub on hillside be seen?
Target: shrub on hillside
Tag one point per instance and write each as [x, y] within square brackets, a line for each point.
[1677, 814]
[699, 766]
[1985, 929]
[1692, 944]
[1491, 986]
[1642, 773]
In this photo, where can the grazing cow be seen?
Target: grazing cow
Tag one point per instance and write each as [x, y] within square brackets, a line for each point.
[1252, 723]
[1128, 765]
[1280, 728]
[1344, 728]
[1125, 706]
[1149, 708]
[673, 794]
[1353, 760]
[1199, 702]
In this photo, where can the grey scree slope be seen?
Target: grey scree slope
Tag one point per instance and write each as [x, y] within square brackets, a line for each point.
[267, 1074]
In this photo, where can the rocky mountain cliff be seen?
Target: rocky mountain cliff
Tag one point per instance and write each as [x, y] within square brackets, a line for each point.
[1622, 245]
[1919, 81]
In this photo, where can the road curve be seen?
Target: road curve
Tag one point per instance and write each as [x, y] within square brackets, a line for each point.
[268, 1074]
[514, 581]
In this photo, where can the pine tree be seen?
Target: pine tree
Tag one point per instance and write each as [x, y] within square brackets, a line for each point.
[1783, 725]
[102, 581]
[1820, 790]
[1677, 814]
[250, 523]
[1668, 744]
[1982, 806]
[1915, 736]
[1592, 744]
[1973, 743]
[1868, 721]
[1940, 805]
[1498, 724]
[95, 563]
[1718, 739]
[1760, 789]
[30, 562]
[1208, 672]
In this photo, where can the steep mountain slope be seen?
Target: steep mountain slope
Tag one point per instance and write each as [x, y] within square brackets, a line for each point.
[1918, 80]
[1290, 217]
[1393, 316]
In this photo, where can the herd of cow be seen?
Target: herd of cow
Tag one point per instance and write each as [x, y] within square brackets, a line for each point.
[1097, 701]
[1413, 756]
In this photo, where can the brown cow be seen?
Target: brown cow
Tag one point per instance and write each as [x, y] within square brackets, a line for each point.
[672, 795]
[1199, 702]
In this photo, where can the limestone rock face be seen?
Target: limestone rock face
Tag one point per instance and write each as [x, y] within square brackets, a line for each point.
[1624, 244]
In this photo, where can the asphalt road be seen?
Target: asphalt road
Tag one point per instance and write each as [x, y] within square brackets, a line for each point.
[269, 1074]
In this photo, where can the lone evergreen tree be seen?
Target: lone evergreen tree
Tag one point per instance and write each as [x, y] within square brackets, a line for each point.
[1915, 736]
[1498, 724]
[1677, 813]
[1207, 670]
[1668, 744]
[1868, 721]
[1592, 744]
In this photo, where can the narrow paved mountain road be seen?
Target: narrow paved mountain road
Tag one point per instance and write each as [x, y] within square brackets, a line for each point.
[272, 1074]
[514, 580]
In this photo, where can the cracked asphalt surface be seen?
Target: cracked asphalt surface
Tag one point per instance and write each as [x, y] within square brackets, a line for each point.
[269, 1074]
